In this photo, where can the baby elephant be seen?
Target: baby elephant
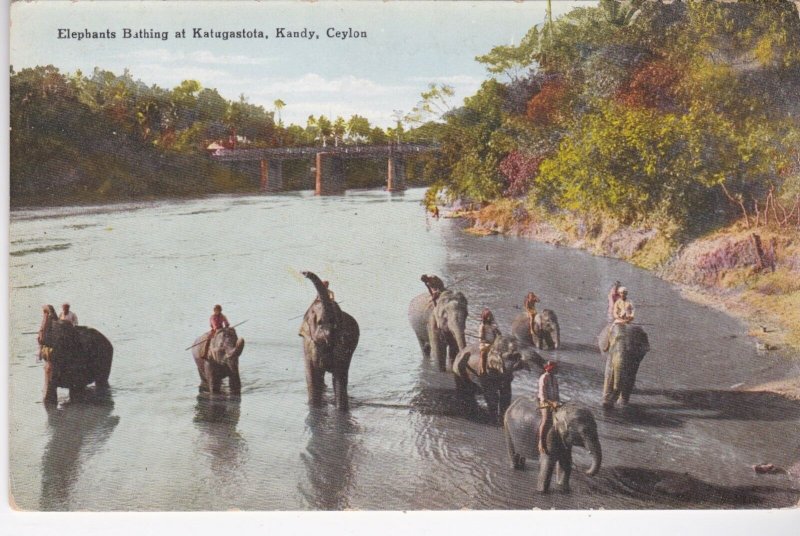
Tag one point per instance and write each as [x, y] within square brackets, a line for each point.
[572, 425]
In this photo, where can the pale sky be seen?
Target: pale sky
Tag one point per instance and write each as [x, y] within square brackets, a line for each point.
[408, 45]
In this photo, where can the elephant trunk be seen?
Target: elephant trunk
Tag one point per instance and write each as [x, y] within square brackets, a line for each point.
[592, 444]
[322, 290]
[237, 350]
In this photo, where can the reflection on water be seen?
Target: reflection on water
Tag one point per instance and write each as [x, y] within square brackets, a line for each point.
[217, 418]
[329, 458]
[77, 431]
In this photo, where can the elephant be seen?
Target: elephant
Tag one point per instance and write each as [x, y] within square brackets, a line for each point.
[572, 425]
[330, 337]
[547, 333]
[222, 360]
[440, 328]
[79, 356]
[625, 346]
[495, 384]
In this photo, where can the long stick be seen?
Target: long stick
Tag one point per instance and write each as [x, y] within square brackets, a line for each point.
[205, 339]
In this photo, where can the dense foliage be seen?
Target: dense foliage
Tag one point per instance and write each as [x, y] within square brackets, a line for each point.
[641, 111]
[97, 137]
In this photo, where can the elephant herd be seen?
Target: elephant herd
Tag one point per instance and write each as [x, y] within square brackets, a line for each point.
[80, 356]
[440, 329]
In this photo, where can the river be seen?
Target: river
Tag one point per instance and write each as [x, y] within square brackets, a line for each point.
[148, 274]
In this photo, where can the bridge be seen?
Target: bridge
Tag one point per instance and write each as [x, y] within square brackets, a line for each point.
[330, 176]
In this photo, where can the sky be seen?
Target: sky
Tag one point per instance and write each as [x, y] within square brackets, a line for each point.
[407, 46]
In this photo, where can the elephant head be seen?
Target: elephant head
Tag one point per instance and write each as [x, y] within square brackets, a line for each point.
[322, 318]
[506, 350]
[225, 347]
[576, 427]
[447, 326]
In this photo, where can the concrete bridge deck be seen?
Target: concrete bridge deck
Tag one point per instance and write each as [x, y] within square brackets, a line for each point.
[329, 163]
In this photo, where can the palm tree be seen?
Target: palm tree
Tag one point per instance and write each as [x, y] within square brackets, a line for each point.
[279, 105]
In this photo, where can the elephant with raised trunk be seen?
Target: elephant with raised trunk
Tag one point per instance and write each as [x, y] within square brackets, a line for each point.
[440, 328]
[625, 346]
[78, 357]
[546, 331]
[572, 426]
[504, 359]
[330, 337]
[220, 362]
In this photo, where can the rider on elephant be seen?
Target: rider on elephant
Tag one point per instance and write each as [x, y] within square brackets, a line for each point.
[530, 307]
[487, 333]
[434, 284]
[68, 315]
[613, 296]
[622, 313]
[217, 321]
[623, 308]
[548, 401]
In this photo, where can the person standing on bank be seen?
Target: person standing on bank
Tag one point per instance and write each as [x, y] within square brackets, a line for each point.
[613, 296]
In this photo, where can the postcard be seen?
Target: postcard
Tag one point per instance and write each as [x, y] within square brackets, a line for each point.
[403, 256]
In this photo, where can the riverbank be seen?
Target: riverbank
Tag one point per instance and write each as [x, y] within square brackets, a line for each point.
[752, 274]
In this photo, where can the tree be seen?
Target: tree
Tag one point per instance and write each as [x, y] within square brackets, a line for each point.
[279, 105]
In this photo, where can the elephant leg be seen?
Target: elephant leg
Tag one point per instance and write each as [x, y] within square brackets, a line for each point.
[547, 463]
[609, 394]
[211, 378]
[492, 401]
[235, 382]
[340, 378]
[50, 390]
[517, 461]
[628, 383]
[564, 468]
[504, 400]
[424, 347]
[315, 382]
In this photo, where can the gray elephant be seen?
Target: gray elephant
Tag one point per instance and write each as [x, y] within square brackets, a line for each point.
[572, 426]
[330, 337]
[221, 361]
[440, 328]
[546, 331]
[77, 356]
[625, 346]
[504, 358]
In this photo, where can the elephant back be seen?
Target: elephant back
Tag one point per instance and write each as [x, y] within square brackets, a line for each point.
[71, 364]
[520, 328]
[521, 423]
[419, 310]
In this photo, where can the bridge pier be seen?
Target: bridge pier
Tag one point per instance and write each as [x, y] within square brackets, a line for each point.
[330, 174]
[271, 175]
[396, 174]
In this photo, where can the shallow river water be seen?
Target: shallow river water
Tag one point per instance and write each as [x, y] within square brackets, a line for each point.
[147, 276]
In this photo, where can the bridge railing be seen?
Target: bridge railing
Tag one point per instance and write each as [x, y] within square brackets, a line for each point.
[343, 150]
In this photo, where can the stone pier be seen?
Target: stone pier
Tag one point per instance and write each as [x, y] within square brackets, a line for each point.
[271, 175]
[330, 174]
[396, 174]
